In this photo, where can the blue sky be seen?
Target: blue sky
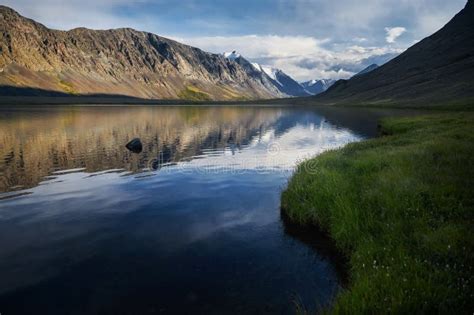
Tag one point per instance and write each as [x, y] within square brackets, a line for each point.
[306, 38]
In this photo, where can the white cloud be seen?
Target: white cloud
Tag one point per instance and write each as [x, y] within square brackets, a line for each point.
[256, 46]
[359, 39]
[393, 33]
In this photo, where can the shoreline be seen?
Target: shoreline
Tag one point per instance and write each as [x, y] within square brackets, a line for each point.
[321, 242]
[311, 101]
[383, 202]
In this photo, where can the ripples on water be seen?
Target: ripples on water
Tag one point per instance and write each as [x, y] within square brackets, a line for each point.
[190, 224]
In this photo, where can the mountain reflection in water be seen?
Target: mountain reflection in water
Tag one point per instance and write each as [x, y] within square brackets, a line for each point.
[39, 143]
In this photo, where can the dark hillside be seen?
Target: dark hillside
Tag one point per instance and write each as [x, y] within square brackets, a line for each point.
[439, 68]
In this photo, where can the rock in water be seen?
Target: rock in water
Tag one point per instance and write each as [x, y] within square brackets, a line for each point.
[135, 145]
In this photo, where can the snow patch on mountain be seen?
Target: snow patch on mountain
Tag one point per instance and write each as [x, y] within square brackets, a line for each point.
[257, 66]
[232, 55]
[315, 87]
[272, 73]
[270, 76]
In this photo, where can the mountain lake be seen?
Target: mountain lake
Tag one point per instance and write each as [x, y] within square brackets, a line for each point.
[188, 224]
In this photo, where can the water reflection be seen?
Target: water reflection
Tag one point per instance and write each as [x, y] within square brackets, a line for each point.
[189, 224]
[37, 143]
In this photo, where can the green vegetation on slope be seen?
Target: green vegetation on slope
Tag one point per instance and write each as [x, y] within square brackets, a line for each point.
[67, 87]
[194, 94]
[401, 208]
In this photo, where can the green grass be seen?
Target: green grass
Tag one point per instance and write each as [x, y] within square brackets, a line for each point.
[194, 94]
[401, 208]
[67, 87]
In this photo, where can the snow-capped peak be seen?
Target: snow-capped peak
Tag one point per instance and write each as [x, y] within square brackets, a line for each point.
[327, 83]
[269, 76]
[324, 82]
[317, 86]
[232, 55]
[271, 72]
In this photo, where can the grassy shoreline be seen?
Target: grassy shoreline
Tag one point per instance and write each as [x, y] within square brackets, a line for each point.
[400, 207]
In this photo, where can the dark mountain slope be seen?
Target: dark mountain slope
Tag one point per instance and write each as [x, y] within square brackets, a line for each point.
[438, 69]
[120, 61]
[287, 84]
[368, 69]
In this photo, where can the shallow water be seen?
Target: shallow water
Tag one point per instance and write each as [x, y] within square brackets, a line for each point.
[189, 225]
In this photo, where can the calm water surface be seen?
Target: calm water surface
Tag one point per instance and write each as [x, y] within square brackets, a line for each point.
[189, 225]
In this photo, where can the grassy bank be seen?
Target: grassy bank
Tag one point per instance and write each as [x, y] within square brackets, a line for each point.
[401, 208]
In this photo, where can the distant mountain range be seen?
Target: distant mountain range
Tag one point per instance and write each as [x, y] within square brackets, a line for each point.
[279, 79]
[267, 75]
[437, 70]
[315, 87]
[286, 83]
[121, 61]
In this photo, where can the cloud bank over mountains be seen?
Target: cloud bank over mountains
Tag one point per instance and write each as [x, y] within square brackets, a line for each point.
[302, 57]
[306, 38]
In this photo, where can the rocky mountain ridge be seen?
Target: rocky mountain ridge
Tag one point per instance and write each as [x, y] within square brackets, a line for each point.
[119, 61]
